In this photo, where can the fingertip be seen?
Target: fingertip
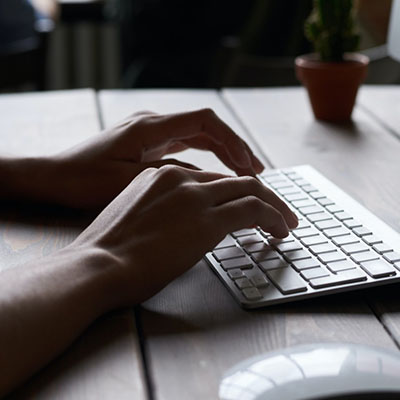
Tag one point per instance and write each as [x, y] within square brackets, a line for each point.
[293, 221]
[258, 165]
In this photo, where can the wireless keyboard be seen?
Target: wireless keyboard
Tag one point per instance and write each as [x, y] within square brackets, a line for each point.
[338, 246]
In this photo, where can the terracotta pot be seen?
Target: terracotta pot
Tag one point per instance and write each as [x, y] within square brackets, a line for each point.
[332, 86]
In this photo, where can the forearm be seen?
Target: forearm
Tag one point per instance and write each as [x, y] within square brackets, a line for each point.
[26, 179]
[45, 305]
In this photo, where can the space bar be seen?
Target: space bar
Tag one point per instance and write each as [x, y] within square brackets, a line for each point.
[354, 275]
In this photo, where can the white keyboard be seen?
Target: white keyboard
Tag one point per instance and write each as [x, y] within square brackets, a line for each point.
[338, 246]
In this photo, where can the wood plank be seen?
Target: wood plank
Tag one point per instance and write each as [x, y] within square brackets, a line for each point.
[106, 359]
[355, 156]
[117, 104]
[362, 157]
[383, 103]
[193, 331]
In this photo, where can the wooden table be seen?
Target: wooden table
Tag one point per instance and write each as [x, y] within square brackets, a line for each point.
[178, 344]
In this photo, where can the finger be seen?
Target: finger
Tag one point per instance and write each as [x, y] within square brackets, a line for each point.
[256, 163]
[170, 161]
[228, 189]
[249, 211]
[202, 142]
[191, 124]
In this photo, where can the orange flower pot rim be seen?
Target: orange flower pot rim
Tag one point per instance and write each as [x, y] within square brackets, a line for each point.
[312, 61]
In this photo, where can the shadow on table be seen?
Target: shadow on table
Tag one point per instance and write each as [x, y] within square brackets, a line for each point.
[89, 358]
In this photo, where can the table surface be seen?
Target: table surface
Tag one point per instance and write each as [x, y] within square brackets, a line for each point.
[178, 344]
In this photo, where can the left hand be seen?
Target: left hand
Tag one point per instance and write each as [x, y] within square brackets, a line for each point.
[95, 172]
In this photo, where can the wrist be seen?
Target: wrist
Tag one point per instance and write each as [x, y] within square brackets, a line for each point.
[27, 178]
[95, 273]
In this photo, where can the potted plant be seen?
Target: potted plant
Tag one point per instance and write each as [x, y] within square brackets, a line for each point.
[333, 74]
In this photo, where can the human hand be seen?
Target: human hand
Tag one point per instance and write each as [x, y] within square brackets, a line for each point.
[93, 173]
[168, 218]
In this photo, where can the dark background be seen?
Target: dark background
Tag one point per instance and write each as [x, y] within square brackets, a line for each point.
[177, 43]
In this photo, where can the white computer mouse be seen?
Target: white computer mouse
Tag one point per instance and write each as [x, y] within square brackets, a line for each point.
[317, 371]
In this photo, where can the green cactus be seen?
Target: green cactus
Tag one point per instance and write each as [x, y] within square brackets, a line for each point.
[331, 29]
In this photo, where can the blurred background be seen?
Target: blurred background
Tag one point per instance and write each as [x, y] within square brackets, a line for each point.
[65, 44]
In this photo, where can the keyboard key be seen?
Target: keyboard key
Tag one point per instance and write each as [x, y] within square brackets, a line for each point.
[287, 280]
[228, 252]
[295, 197]
[296, 255]
[273, 176]
[300, 265]
[264, 255]
[354, 248]
[345, 239]
[352, 223]
[236, 274]
[290, 190]
[303, 224]
[259, 280]
[325, 201]
[311, 210]
[313, 240]
[309, 188]
[333, 232]
[392, 257]
[289, 246]
[273, 264]
[301, 182]
[227, 242]
[281, 184]
[350, 276]
[341, 265]
[317, 195]
[274, 241]
[240, 262]
[343, 216]
[255, 238]
[322, 216]
[362, 231]
[256, 247]
[328, 224]
[251, 293]
[364, 256]
[305, 232]
[322, 248]
[378, 268]
[382, 248]
[243, 283]
[313, 273]
[243, 232]
[331, 257]
[302, 203]
[371, 239]
[334, 208]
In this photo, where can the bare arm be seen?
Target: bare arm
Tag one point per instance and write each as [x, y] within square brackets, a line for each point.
[44, 306]
[93, 173]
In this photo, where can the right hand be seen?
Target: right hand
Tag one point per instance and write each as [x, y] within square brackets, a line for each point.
[168, 218]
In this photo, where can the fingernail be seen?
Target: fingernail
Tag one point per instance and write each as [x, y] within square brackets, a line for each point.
[294, 221]
[259, 166]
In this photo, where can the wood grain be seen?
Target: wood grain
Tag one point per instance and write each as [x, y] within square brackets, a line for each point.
[362, 157]
[193, 331]
[106, 359]
[382, 102]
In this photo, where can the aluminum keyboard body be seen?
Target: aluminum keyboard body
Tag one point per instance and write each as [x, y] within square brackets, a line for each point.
[338, 246]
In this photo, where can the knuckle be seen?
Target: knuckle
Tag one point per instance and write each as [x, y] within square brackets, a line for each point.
[255, 204]
[207, 112]
[252, 183]
[173, 174]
